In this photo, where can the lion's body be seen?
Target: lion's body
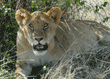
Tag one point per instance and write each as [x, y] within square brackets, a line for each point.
[38, 45]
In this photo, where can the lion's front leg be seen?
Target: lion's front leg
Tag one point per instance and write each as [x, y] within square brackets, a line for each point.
[23, 70]
[19, 76]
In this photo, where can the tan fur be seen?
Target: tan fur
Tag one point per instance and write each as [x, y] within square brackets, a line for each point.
[60, 36]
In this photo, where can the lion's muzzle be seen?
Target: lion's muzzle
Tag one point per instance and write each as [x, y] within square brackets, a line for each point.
[40, 47]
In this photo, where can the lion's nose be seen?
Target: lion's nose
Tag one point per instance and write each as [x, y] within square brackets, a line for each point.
[38, 39]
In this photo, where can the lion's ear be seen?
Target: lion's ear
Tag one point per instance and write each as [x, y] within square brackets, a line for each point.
[22, 16]
[55, 14]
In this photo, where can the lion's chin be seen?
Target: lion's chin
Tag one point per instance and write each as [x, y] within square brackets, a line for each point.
[39, 53]
[40, 47]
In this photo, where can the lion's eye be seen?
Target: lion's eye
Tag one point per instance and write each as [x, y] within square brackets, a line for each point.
[31, 26]
[45, 25]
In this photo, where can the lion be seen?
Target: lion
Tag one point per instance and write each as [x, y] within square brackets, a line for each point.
[43, 38]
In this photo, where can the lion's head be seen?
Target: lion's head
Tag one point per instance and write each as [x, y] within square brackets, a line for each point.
[39, 27]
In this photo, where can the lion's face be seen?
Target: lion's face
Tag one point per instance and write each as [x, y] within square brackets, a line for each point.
[40, 31]
[39, 27]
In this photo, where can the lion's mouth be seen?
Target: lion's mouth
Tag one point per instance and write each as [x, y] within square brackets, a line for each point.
[40, 47]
